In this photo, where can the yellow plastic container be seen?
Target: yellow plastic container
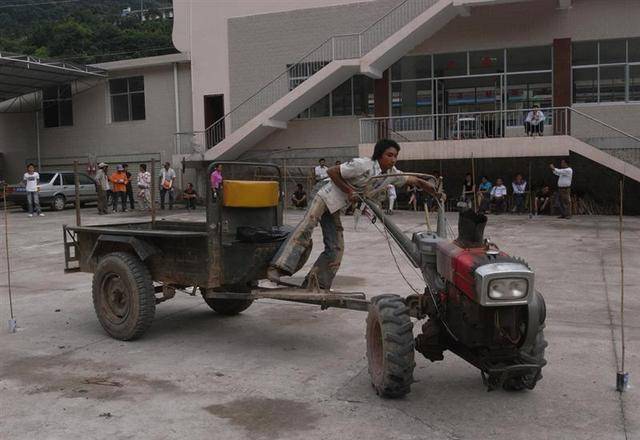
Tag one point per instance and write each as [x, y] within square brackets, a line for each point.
[249, 194]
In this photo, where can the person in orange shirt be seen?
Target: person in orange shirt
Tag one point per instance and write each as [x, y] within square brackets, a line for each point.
[119, 181]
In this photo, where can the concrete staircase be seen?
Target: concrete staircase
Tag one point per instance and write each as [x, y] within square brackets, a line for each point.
[370, 52]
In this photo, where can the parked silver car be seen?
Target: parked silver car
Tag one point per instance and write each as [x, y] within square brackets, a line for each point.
[57, 189]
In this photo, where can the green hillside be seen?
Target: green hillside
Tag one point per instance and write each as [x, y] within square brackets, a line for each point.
[83, 31]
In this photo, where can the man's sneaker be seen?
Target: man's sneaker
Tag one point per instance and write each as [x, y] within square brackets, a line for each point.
[30, 215]
[41, 215]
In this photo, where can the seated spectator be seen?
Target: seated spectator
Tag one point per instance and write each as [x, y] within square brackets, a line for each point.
[190, 195]
[519, 186]
[542, 202]
[484, 194]
[534, 122]
[299, 197]
[499, 197]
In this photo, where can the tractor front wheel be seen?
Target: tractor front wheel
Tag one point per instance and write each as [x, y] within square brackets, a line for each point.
[390, 346]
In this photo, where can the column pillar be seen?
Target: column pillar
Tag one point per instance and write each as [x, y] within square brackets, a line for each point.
[381, 104]
[562, 87]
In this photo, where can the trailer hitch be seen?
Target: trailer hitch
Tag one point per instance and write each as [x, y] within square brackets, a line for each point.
[494, 378]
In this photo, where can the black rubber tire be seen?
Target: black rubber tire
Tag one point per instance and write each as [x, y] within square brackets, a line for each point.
[533, 354]
[138, 294]
[228, 307]
[58, 203]
[390, 346]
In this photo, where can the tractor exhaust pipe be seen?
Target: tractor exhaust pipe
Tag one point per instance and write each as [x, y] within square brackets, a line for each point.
[471, 229]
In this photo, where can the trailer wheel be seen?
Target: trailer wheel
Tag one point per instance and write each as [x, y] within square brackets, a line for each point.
[123, 296]
[229, 307]
[390, 346]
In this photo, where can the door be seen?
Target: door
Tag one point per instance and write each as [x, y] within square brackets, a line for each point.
[213, 112]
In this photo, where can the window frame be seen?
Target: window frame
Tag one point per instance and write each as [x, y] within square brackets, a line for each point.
[129, 95]
[58, 101]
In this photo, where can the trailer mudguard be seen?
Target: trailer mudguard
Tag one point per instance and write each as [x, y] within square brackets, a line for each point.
[142, 249]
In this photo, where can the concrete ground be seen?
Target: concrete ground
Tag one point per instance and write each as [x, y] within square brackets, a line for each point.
[290, 371]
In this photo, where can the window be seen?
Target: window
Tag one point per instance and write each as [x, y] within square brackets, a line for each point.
[526, 90]
[634, 83]
[585, 85]
[411, 98]
[341, 99]
[321, 108]
[613, 51]
[127, 99]
[57, 108]
[612, 83]
[486, 61]
[352, 97]
[450, 64]
[412, 67]
[524, 59]
[68, 179]
[86, 180]
[585, 53]
[363, 96]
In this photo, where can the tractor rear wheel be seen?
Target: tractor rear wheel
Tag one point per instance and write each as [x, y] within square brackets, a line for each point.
[229, 307]
[123, 295]
[390, 346]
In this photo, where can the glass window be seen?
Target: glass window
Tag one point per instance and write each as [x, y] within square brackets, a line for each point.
[341, 99]
[320, 109]
[613, 51]
[411, 98]
[86, 180]
[585, 85]
[127, 99]
[612, 83]
[634, 83]
[412, 67]
[526, 90]
[363, 96]
[57, 106]
[450, 64]
[68, 179]
[585, 53]
[486, 61]
[46, 177]
[634, 50]
[529, 58]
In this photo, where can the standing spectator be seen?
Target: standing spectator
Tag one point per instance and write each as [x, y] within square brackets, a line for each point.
[519, 186]
[565, 175]
[129, 186]
[391, 195]
[534, 122]
[320, 171]
[144, 183]
[431, 203]
[413, 199]
[31, 180]
[167, 178]
[468, 190]
[338, 163]
[102, 188]
[299, 197]
[484, 194]
[499, 197]
[119, 182]
[190, 195]
[542, 202]
[216, 180]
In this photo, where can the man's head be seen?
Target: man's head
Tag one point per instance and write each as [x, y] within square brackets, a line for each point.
[119, 168]
[189, 185]
[545, 189]
[218, 167]
[435, 173]
[338, 163]
[102, 165]
[564, 163]
[498, 181]
[321, 162]
[167, 165]
[143, 167]
[299, 186]
[483, 179]
[31, 168]
[536, 107]
[125, 166]
[467, 177]
[386, 153]
[518, 177]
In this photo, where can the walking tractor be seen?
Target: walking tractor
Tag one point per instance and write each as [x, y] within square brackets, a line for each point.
[476, 302]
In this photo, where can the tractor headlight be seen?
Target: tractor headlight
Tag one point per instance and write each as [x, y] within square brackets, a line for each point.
[508, 288]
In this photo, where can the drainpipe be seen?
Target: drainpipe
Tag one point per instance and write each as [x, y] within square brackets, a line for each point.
[37, 117]
[176, 98]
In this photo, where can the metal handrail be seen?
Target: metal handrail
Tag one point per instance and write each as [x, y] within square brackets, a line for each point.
[435, 115]
[219, 127]
[598, 121]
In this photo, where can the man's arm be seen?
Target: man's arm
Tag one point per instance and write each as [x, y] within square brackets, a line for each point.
[336, 177]
[426, 186]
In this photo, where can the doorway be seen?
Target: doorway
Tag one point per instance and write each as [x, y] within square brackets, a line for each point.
[214, 111]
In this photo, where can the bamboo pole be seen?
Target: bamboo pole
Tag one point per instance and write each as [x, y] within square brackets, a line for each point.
[622, 377]
[153, 192]
[76, 182]
[12, 320]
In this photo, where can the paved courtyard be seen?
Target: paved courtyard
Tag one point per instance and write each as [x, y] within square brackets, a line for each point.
[291, 371]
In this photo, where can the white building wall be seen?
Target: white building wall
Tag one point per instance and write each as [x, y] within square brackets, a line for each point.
[17, 143]
[200, 28]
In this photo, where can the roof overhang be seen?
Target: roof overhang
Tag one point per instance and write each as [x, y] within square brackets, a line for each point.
[22, 74]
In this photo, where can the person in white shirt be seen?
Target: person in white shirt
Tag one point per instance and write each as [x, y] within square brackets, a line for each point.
[102, 188]
[534, 122]
[519, 186]
[167, 178]
[31, 180]
[346, 183]
[565, 176]
[391, 195]
[499, 197]
[144, 185]
[321, 171]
